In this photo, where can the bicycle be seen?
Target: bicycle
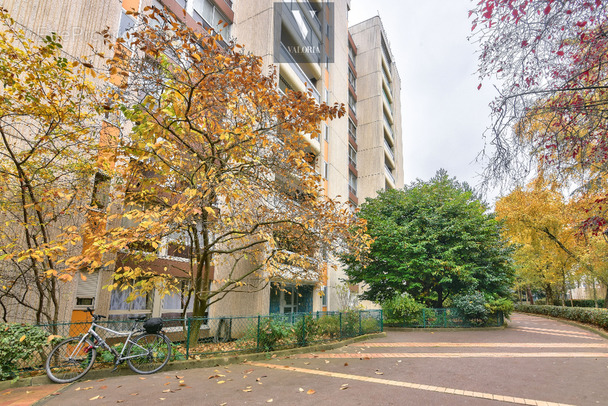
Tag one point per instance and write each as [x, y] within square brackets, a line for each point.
[146, 350]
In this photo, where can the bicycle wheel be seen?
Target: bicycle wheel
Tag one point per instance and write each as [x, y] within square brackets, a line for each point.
[70, 360]
[151, 352]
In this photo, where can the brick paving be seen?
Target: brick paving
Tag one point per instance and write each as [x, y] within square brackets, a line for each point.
[535, 361]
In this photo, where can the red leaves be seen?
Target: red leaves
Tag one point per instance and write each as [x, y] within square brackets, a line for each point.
[547, 9]
[581, 24]
[524, 43]
[479, 87]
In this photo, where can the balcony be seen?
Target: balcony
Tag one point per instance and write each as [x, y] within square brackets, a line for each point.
[389, 149]
[389, 173]
[286, 56]
[388, 127]
[388, 102]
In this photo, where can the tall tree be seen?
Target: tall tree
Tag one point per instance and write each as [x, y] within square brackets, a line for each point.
[47, 158]
[432, 240]
[550, 58]
[217, 166]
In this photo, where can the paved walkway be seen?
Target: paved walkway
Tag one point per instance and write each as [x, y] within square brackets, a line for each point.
[533, 362]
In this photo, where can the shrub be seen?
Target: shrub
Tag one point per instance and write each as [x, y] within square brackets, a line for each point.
[503, 305]
[350, 324]
[473, 308]
[401, 309]
[328, 326]
[369, 325]
[18, 343]
[305, 329]
[271, 331]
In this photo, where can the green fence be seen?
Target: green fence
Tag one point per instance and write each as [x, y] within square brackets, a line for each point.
[195, 338]
[446, 318]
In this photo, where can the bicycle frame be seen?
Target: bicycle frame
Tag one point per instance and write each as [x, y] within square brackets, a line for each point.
[100, 342]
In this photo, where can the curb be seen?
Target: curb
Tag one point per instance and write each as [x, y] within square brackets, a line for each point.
[192, 364]
[450, 329]
[588, 327]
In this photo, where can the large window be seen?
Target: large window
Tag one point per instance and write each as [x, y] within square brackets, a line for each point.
[212, 16]
[174, 304]
[352, 156]
[121, 308]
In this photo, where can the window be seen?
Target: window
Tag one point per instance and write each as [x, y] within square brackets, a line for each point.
[87, 290]
[352, 156]
[127, 22]
[352, 183]
[325, 170]
[173, 304]
[352, 129]
[352, 79]
[176, 249]
[212, 16]
[121, 308]
[101, 191]
[352, 102]
[326, 133]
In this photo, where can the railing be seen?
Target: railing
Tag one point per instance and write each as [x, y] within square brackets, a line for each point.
[388, 102]
[444, 318]
[352, 190]
[194, 338]
[389, 149]
[389, 127]
[352, 161]
[389, 172]
[286, 56]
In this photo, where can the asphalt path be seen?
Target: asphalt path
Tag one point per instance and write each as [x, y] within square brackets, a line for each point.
[535, 361]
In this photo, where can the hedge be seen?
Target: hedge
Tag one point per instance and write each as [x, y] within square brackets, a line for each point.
[597, 317]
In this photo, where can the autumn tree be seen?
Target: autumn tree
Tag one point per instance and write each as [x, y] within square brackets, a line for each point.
[47, 158]
[550, 59]
[551, 253]
[216, 163]
[432, 240]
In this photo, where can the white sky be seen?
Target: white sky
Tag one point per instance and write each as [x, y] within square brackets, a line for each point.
[444, 115]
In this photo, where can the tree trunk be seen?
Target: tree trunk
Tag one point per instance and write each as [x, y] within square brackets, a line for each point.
[198, 319]
[529, 294]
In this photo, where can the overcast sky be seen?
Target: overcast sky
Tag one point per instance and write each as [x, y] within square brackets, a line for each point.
[444, 115]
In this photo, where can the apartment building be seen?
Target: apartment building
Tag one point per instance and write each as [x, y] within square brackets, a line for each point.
[313, 49]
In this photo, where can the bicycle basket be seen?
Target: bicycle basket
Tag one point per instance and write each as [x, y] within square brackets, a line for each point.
[153, 325]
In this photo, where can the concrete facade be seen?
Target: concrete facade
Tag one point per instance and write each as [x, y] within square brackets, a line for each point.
[375, 145]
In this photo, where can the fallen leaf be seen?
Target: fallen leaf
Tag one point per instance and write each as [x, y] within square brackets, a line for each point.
[301, 390]
[120, 401]
[307, 363]
[179, 377]
[247, 390]
[310, 391]
[326, 361]
[181, 383]
[95, 397]
[134, 394]
[101, 380]
[167, 391]
[220, 382]
[244, 376]
[379, 373]
[346, 364]
[168, 383]
[248, 371]
[142, 378]
[269, 401]
[78, 388]
[162, 398]
[88, 387]
[103, 387]
[344, 386]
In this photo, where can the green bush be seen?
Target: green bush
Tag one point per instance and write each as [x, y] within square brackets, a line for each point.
[473, 308]
[305, 329]
[503, 305]
[369, 325]
[401, 309]
[328, 326]
[18, 343]
[350, 324]
[271, 331]
[596, 317]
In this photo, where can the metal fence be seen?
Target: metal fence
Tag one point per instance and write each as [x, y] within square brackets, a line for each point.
[446, 318]
[196, 338]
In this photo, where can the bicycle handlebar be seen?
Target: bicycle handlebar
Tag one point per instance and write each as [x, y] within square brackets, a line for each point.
[95, 316]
